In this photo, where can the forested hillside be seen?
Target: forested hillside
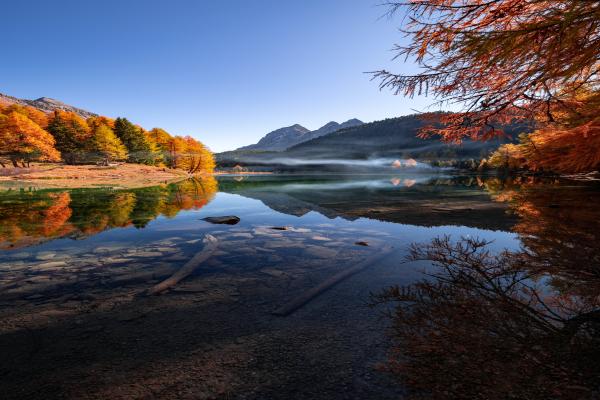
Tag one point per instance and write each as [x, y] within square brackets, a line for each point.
[28, 134]
[396, 137]
[389, 138]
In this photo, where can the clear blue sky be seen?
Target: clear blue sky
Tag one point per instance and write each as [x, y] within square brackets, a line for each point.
[225, 72]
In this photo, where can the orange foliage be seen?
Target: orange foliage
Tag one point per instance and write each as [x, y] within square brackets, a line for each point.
[507, 60]
[563, 149]
[27, 134]
[95, 122]
[22, 139]
[37, 116]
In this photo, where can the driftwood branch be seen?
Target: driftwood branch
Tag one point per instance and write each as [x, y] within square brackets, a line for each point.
[307, 296]
[210, 246]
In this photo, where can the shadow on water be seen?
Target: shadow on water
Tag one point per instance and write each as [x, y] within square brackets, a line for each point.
[519, 324]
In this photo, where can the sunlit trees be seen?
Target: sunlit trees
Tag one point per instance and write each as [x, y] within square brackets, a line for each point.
[37, 116]
[72, 136]
[29, 134]
[23, 141]
[161, 140]
[196, 157]
[536, 60]
[107, 145]
[139, 148]
[94, 122]
[557, 149]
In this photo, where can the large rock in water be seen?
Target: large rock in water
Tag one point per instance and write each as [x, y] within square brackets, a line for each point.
[227, 219]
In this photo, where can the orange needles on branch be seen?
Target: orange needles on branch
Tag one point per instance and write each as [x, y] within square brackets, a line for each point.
[501, 60]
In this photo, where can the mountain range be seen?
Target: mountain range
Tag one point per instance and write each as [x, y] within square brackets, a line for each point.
[284, 138]
[395, 138]
[46, 104]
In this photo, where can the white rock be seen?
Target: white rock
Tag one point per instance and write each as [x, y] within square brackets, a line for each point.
[321, 238]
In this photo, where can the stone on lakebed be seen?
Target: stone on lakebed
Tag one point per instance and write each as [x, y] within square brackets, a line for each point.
[227, 219]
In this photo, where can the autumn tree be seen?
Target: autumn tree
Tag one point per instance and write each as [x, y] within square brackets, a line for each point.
[502, 60]
[23, 141]
[196, 158]
[139, 148]
[107, 145]
[72, 136]
[95, 122]
[154, 155]
[37, 116]
[162, 140]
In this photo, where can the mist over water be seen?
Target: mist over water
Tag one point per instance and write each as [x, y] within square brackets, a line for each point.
[392, 163]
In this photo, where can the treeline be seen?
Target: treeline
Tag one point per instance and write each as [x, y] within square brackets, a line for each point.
[28, 134]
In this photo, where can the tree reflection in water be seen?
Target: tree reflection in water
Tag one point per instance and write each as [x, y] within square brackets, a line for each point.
[32, 216]
[522, 325]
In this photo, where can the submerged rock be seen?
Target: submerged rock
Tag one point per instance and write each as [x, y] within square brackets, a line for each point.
[52, 264]
[45, 256]
[320, 238]
[227, 219]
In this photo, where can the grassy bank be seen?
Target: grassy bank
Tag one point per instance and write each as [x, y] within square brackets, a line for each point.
[70, 176]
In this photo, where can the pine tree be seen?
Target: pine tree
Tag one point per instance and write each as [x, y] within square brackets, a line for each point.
[139, 148]
[72, 136]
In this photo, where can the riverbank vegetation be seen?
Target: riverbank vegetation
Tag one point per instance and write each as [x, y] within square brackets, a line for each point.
[28, 135]
[506, 61]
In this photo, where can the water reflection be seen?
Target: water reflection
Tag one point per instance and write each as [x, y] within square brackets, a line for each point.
[517, 325]
[28, 217]
[422, 200]
[522, 324]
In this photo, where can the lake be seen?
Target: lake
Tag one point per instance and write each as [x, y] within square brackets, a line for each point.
[75, 267]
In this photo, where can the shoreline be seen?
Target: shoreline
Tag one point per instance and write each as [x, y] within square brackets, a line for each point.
[123, 176]
[126, 176]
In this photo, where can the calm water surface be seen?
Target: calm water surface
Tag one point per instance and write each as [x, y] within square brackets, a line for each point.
[52, 233]
[66, 255]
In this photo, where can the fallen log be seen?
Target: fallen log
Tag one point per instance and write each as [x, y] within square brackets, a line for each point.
[210, 246]
[309, 295]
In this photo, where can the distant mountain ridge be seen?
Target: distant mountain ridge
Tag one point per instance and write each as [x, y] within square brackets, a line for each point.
[284, 138]
[393, 138]
[398, 138]
[279, 139]
[46, 104]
